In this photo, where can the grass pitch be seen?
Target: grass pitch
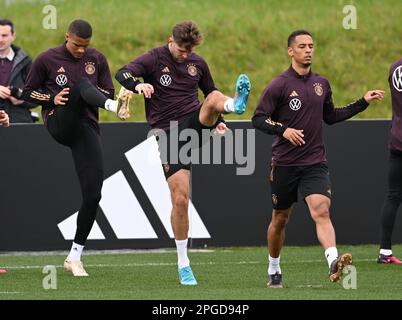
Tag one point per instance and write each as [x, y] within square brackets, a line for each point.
[222, 273]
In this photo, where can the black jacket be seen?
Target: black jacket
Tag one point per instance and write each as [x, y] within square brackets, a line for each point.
[19, 72]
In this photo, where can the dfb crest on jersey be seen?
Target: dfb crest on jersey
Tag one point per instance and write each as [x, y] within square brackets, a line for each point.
[90, 68]
[318, 89]
[192, 70]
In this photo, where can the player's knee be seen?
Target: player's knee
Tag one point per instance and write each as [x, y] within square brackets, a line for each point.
[321, 213]
[92, 199]
[82, 84]
[83, 80]
[212, 99]
[280, 220]
[214, 95]
[280, 224]
[180, 201]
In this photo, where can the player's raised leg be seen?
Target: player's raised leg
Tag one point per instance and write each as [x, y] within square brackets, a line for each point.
[217, 103]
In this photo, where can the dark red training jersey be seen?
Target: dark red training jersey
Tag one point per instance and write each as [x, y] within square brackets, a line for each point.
[175, 84]
[56, 69]
[395, 85]
[300, 102]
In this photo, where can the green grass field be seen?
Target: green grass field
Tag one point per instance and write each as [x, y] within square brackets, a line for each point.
[240, 36]
[222, 273]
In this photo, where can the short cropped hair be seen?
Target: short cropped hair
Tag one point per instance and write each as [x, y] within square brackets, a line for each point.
[81, 29]
[296, 33]
[186, 34]
[6, 22]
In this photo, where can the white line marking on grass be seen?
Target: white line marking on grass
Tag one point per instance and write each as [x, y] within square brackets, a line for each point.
[101, 252]
[161, 264]
[129, 265]
[28, 267]
[10, 292]
[310, 286]
[321, 260]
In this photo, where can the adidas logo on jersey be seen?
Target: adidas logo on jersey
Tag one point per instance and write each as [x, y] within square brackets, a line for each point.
[166, 69]
[294, 94]
[61, 70]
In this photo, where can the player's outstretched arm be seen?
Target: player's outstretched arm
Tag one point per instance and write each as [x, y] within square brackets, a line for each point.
[333, 115]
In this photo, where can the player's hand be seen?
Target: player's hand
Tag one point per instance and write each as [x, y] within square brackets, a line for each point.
[15, 101]
[374, 94]
[145, 88]
[60, 99]
[221, 128]
[4, 120]
[4, 92]
[295, 136]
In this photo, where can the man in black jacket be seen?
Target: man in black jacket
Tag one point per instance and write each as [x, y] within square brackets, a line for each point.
[14, 68]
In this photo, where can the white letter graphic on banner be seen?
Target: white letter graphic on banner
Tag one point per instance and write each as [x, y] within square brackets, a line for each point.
[123, 211]
[145, 161]
[68, 226]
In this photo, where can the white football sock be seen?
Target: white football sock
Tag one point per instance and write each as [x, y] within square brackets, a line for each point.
[274, 265]
[183, 260]
[386, 252]
[331, 254]
[111, 105]
[75, 252]
[228, 106]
